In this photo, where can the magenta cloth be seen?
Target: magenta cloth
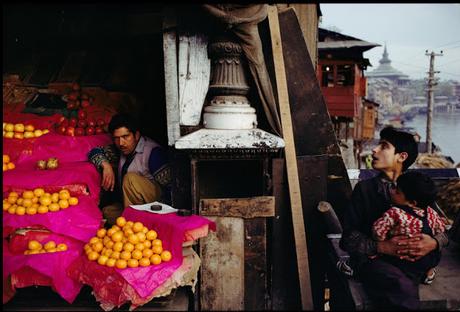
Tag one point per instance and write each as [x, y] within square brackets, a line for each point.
[52, 265]
[171, 229]
[80, 221]
[27, 177]
[65, 148]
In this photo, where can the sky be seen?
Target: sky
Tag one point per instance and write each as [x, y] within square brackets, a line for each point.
[408, 31]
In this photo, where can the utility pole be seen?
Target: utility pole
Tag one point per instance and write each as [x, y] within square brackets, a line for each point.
[431, 83]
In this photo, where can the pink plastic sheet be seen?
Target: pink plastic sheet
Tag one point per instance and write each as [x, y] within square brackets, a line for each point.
[144, 280]
[80, 221]
[25, 176]
[45, 267]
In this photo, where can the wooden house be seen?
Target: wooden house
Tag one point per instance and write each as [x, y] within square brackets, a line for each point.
[343, 84]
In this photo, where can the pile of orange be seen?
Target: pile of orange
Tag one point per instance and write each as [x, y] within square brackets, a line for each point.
[35, 247]
[21, 131]
[36, 201]
[7, 164]
[126, 244]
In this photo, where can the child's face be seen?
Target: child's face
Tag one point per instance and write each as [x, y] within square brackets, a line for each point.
[398, 197]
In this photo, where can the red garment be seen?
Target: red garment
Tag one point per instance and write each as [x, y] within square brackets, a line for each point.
[396, 221]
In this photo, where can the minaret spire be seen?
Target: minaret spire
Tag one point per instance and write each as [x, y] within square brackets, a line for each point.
[385, 59]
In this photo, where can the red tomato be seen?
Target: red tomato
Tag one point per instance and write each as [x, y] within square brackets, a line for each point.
[79, 131]
[90, 131]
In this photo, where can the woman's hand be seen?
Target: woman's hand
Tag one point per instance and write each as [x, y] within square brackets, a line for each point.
[108, 177]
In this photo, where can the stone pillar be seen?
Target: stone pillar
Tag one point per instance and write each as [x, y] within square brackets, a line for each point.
[229, 107]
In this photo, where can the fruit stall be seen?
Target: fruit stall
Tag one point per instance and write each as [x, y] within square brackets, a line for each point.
[53, 231]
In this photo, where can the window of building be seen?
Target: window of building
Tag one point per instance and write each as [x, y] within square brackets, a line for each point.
[345, 75]
[327, 76]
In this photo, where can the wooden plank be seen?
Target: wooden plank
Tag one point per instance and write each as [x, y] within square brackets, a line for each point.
[171, 81]
[222, 270]
[255, 265]
[291, 162]
[260, 206]
[194, 72]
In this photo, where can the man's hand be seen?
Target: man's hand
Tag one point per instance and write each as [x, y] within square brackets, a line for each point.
[407, 248]
[419, 245]
[108, 177]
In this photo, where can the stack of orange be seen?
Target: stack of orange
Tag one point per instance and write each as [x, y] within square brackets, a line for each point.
[21, 131]
[7, 164]
[38, 201]
[36, 247]
[126, 244]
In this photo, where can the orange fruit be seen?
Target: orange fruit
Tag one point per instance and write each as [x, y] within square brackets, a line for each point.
[63, 203]
[133, 239]
[118, 246]
[110, 262]
[128, 232]
[110, 232]
[31, 210]
[6, 205]
[115, 255]
[133, 263]
[139, 246]
[19, 201]
[34, 200]
[12, 199]
[155, 259]
[39, 191]
[125, 255]
[147, 253]
[101, 233]
[49, 245]
[55, 197]
[19, 127]
[136, 254]
[36, 205]
[20, 210]
[54, 207]
[42, 209]
[34, 245]
[12, 209]
[137, 227]
[128, 224]
[9, 127]
[38, 133]
[94, 240]
[13, 194]
[29, 128]
[18, 135]
[6, 159]
[117, 236]
[141, 236]
[128, 247]
[64, 194]
[45, 131]
[116, 227]
[93, 255]
[61, 247]
[144, 262]
[28, 194]
[145, 230]
[5, 167]
[9, 134]
[151, 235]
[109, 244]
[27, 202]
[28, 135]
[51, 250]
[157, 249]
[147, 244]
[97, 246]
[157, 242]
[10, 166]
[45, 200]
[102, 259]
[73, 201]
[121, 221]
[121, 264]
[166, 255]
[33, 252]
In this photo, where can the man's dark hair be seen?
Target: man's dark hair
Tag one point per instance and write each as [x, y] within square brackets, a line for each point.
[123, 120]
[417, 186]
[403, 142]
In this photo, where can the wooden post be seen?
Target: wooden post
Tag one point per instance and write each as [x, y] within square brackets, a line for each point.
[291, 162]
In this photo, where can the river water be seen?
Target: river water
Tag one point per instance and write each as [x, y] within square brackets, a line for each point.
[445, 131]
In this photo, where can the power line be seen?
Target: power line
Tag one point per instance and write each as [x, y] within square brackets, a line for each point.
[447, 44]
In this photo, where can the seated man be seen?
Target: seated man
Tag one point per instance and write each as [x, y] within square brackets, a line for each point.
[135, 168]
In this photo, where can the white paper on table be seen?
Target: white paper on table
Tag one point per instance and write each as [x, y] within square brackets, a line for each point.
[146, 207]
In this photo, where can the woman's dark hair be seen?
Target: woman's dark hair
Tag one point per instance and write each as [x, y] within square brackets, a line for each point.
[417, 186]
[123, 120]
[403, 142]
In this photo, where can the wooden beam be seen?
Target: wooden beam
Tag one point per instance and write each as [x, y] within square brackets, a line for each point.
[253, 207]
[171, 80]
[291, 162]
